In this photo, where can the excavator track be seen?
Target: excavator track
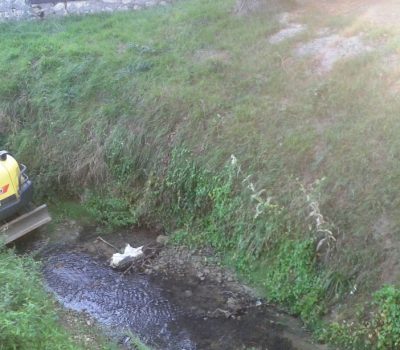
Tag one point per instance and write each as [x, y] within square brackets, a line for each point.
[24, 224]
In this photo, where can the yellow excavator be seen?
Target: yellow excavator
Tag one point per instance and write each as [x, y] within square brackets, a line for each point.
[16, 192]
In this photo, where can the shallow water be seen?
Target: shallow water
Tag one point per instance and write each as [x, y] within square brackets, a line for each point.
[130, 302]
[156, 308]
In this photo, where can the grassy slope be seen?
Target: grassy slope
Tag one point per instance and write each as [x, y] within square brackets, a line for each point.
[27, 317]
[103, 100]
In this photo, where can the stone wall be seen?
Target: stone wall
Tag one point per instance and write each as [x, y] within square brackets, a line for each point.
[14, 9]
[24, 9]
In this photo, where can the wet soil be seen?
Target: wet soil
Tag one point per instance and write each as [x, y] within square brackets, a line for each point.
[180, 299]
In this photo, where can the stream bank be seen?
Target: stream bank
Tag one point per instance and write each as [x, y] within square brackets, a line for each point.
[180, 299]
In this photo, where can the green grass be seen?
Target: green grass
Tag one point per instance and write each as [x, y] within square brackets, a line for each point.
[71, 210]
[100, 108]
[27, 316]
[30, 318]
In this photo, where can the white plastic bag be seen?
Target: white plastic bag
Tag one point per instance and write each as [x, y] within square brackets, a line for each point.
[129, 254]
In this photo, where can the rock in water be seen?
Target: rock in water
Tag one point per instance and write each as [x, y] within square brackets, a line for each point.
[161, 239]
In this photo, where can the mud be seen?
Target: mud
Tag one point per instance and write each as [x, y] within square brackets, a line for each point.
[180, 299]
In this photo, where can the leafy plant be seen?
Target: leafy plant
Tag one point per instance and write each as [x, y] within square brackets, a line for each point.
[386, 323]
[291, 278]
[111, 211]
[379, 329]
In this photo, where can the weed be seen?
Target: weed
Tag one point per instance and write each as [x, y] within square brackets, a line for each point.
[110, 211]
[377, 329]
[386, 323]
[291, 278]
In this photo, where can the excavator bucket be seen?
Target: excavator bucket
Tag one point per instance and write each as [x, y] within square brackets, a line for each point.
[24, 224]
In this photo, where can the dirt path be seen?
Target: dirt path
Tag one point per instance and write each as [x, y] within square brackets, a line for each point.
[381, 12]
[314, 35]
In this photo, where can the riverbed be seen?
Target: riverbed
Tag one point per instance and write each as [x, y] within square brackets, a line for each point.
[181, 299]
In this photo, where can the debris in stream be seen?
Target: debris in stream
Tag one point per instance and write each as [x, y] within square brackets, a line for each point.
[129, 255]
[108, 243]
[144, 261]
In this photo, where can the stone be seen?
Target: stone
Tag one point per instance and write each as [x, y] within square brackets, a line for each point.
[162, 239]
[60, 8]
[233, 305]
[14, 9]
[19, 5]
[42, 11]
[188, 293]
[77, 6]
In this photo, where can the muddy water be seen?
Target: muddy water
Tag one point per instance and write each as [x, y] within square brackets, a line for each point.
[158, 308]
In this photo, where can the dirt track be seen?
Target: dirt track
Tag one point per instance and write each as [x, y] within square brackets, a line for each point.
[382, 12]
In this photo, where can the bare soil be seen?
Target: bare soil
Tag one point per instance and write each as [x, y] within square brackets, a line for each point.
[382, 12]
[327, 50]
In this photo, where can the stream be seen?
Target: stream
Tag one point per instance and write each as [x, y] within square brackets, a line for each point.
[166, 309]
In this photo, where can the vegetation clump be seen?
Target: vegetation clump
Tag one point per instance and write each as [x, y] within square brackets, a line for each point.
[376, 329]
